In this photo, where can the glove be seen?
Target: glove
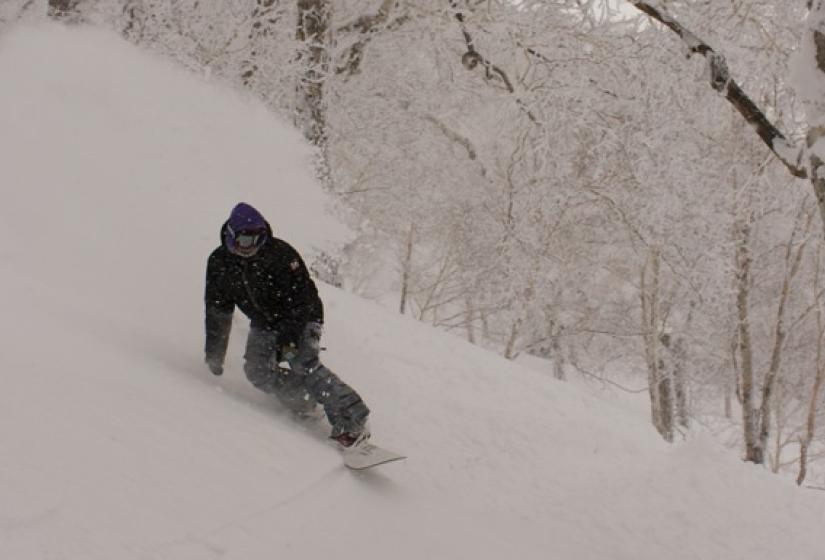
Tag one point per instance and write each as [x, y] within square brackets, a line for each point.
[215, 366]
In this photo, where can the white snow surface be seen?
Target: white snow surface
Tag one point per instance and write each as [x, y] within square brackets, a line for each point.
[116, 171]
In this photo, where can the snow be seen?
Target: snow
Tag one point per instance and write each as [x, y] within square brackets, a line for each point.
[117, 170]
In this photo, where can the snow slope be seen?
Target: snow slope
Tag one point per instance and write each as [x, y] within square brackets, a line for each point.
[116, 171]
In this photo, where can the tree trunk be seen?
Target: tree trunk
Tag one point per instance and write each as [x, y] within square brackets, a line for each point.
[558, 357]
[776, 457]
[659, 381]
[406, 269]
[753, 451]
[649, 350]
[733, 383]
[680, 384]
[771, 377]
[792, 263]
[470, 318]
[313, 32]
[485, 326]
[510, 350]
[819, 379]
[554, 334]
[666, 403]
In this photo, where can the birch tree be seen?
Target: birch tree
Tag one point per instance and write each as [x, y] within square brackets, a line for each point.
[813, 405]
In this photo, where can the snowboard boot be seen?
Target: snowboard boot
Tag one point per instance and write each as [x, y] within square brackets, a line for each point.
[351, 439]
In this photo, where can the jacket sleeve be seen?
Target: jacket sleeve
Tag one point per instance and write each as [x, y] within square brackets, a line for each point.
[306, 305]
[300, 295]
[219, 309]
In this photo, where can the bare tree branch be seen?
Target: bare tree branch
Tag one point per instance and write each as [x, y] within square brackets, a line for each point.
[366, 27]
[472, 59]
[455, 137]
[549, 61]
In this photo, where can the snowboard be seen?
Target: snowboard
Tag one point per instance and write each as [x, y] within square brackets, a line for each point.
[366, 455]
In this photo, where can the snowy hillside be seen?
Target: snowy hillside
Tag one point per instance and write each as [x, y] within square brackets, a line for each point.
[116, 171]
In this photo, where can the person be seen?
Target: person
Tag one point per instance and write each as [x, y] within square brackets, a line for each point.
[267, 280]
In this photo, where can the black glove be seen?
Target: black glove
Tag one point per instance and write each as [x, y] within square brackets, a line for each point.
[215, 365]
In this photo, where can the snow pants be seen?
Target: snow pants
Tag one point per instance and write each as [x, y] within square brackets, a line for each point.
[306, 382]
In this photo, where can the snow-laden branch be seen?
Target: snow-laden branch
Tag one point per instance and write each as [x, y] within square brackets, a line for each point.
[721, 81]
[472, 59]
[366, 26]
[454, 136]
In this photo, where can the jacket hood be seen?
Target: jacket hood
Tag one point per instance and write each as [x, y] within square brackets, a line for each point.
[244, 216]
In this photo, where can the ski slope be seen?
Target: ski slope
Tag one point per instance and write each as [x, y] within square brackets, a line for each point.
[116, 170]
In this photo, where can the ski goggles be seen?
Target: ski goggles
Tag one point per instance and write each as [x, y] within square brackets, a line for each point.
[248, 239]
[245, 241]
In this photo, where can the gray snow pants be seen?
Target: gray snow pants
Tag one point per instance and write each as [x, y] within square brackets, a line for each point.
[306, 382]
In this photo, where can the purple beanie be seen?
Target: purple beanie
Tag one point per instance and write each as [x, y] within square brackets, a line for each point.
[245, 217]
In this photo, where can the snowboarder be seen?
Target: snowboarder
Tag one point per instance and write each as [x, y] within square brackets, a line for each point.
[267, 280]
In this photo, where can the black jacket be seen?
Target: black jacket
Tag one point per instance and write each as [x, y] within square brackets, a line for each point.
[273, 288]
